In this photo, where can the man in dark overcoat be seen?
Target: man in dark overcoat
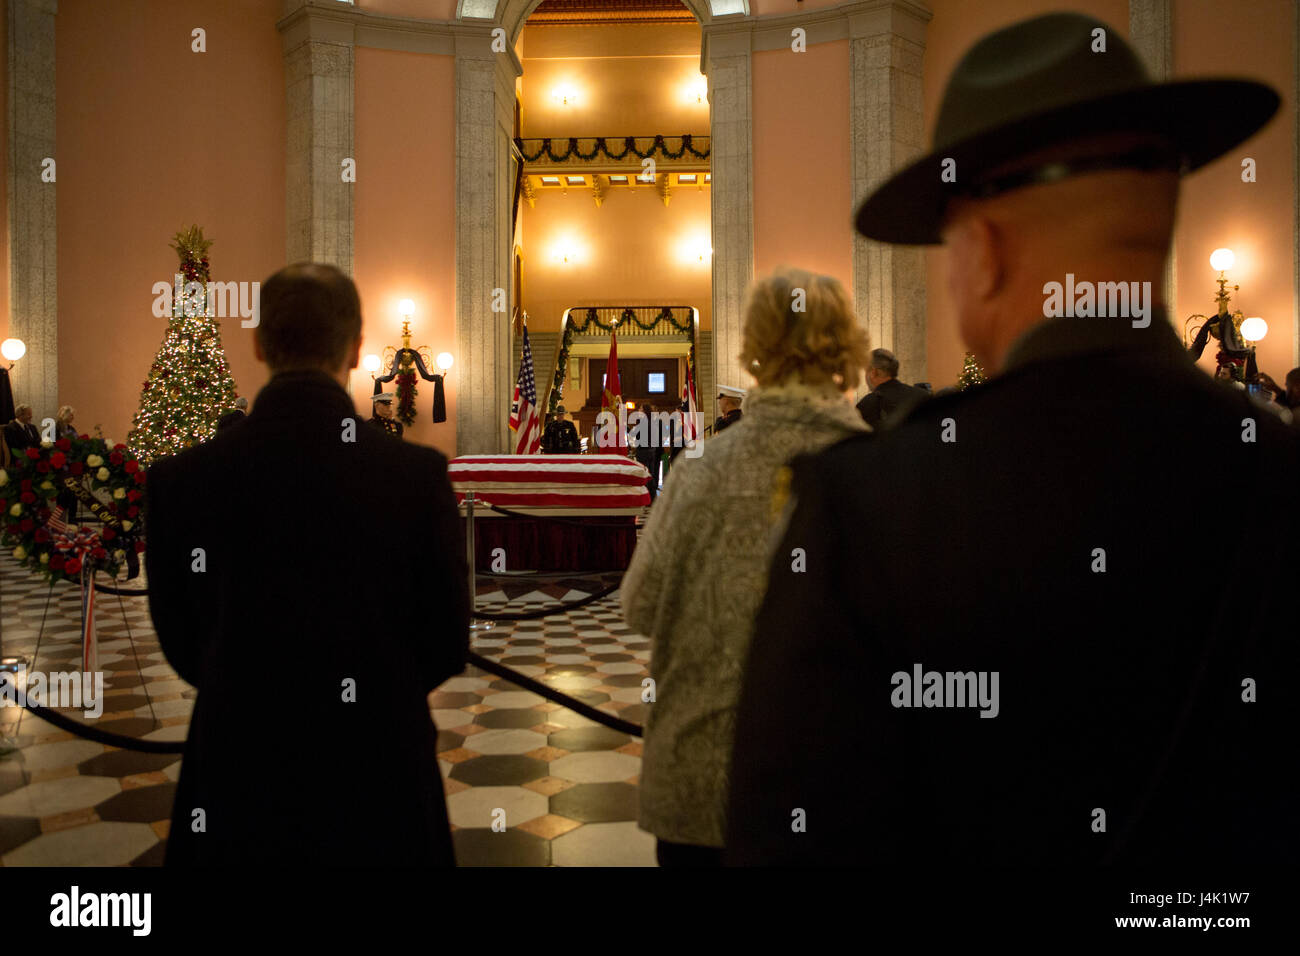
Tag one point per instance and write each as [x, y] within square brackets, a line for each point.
[1005, 632]
[311, 741]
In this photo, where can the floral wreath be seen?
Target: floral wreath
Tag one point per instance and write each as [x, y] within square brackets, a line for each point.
[42, 482]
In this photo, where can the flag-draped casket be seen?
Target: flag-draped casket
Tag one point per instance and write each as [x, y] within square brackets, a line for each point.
[597, 496]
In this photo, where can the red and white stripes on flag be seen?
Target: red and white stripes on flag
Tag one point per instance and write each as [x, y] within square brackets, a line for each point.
[79, 543]
[525, 419]
[690, 426]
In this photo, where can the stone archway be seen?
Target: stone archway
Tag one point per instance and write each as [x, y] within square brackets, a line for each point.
[484, 121]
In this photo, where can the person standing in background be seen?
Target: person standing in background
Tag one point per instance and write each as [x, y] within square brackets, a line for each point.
[383, 418]
[234, 416]
[889, 400]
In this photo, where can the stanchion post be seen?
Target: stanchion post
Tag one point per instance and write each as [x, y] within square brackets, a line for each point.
[470, 559]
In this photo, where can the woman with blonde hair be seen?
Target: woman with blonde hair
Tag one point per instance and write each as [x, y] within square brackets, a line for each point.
[700, 569]
[63, 423]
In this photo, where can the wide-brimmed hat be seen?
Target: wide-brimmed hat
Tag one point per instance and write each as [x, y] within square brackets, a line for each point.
[1038, 83]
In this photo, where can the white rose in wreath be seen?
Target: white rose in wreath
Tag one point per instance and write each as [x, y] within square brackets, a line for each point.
[126, 525]
[119, 555]
[45, 557]
[94, 461]
[4, 477]
[47, 484]
[119, 493]
[102, 474]
[20, 552]
[16, 510]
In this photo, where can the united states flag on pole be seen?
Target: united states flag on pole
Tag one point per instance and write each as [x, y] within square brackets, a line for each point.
[525, 421]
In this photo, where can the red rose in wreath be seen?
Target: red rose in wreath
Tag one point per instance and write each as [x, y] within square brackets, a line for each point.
[39, 486]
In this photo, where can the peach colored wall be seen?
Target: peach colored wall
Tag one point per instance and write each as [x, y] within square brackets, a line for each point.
[1218, 209]
[153, 138]
[405, 226]
[620, 71]
[802, 192]
[419, 9]
[954, 29]
[633, 250]
[4, 171]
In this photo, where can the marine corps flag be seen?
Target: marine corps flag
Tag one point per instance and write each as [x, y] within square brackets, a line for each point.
[613, 400]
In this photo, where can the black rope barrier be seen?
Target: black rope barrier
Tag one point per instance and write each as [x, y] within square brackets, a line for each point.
[560, 608]
[129, 592]
[63, 722]
[579, 522]
[550, 693]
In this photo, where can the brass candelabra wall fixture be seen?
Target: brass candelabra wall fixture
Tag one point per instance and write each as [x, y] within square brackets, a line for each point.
[1236, 333]
[403, 364]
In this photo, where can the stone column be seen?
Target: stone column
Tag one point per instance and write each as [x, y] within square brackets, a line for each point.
[732, 168]
[485, 91]
[1150, 30]
[886, 44]
[33, 245]
[318, 74]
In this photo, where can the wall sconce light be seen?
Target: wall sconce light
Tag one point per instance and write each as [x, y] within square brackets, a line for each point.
[1254, 329]
[372, 363]
[565, 95]
[696, 91]
[565, 251]
[445, 360]
[407, 308]
[13, 350]
[1235, 333]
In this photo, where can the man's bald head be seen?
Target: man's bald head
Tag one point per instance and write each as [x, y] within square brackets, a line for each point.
[1107, 225]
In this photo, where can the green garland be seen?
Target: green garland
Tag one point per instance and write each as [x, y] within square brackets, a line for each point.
[601, 148]
[592, 317]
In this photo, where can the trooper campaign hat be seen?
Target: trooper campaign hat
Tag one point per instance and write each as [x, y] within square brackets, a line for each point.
[1044, 82]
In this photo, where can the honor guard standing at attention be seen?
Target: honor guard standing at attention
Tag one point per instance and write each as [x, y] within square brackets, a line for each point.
[383, 418]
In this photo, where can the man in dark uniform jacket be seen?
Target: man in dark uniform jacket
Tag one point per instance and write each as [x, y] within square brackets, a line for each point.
[889, 400]
[383, 418]
[1044, 530]
[729, 402]
[560, 436]
[338, 765]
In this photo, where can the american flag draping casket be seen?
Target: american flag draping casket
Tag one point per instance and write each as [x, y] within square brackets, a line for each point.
[585, 482]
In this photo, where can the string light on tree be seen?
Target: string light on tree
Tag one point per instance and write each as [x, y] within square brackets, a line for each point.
[971, 373]
[189, 385]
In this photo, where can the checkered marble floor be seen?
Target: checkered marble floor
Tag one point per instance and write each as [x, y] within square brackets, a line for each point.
[568, 786]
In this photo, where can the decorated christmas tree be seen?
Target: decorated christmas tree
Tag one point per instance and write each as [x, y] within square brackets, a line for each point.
[189, 384]
[971, 373]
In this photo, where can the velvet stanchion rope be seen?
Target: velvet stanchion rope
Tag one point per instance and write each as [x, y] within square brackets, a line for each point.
[76, 727]
[577, 706]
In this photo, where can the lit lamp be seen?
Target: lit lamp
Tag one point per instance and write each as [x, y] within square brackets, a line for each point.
[403, 364]
[13, 350]
[1237, 334]
[1254, 329]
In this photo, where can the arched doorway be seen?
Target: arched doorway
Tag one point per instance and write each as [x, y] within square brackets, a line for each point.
[486, 178]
